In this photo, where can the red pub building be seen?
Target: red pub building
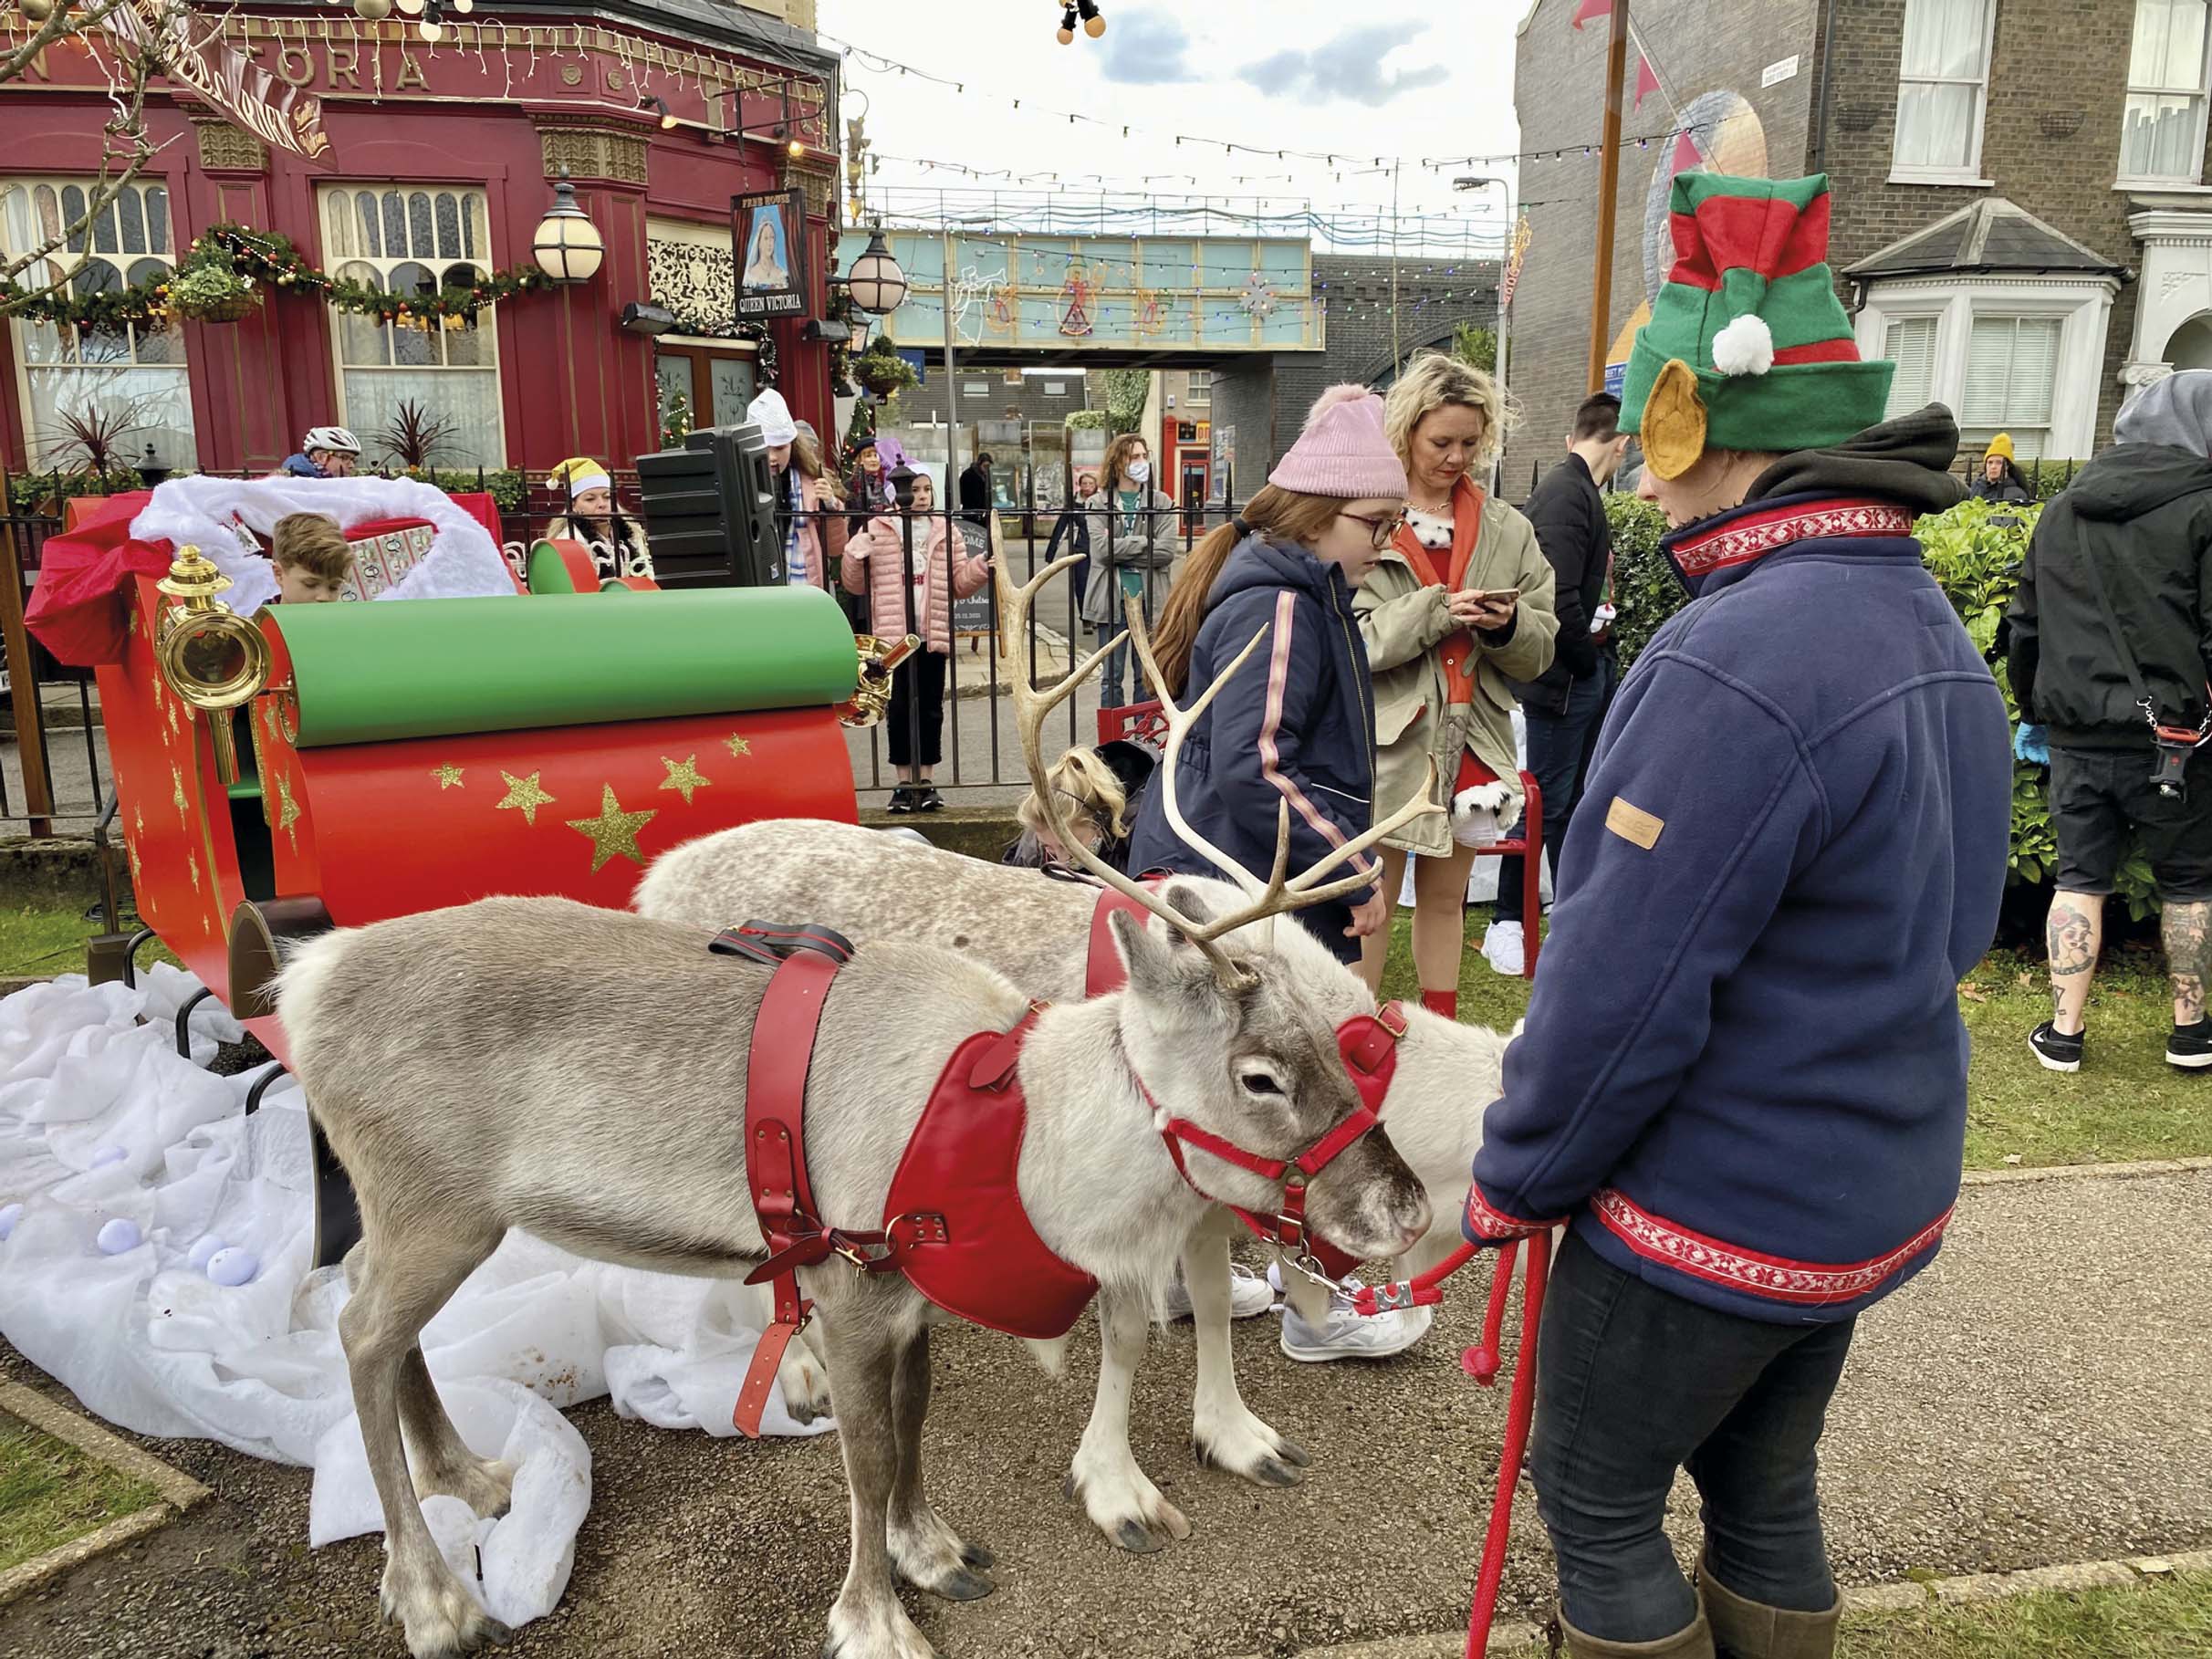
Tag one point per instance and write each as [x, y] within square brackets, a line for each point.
[407, 165]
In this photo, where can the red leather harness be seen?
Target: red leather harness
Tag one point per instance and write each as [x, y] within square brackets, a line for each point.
[953, 1221]
[1368, 1043]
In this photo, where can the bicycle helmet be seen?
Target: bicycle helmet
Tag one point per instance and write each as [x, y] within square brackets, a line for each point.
[337, 440]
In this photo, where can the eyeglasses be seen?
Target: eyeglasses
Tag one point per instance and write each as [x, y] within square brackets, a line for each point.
[1383, 530]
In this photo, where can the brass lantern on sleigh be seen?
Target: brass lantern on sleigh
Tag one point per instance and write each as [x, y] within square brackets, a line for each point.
[212, 657]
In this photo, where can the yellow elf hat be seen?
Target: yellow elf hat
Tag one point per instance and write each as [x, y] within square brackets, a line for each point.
[578, 474]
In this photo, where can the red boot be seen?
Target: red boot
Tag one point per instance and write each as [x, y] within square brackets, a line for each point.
[1446, 1003]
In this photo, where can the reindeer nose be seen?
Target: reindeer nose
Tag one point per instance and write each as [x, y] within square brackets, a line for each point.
[1414, 1224]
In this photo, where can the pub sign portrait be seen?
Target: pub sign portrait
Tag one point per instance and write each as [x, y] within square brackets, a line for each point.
[768, 230]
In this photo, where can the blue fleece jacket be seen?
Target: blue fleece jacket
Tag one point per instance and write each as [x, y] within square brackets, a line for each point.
[1296, 723]
[1744, 1074]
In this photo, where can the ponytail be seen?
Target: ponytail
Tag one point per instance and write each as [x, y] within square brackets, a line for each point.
[1186, 608]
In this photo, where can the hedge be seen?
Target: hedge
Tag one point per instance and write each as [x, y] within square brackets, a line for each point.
[1974, 552]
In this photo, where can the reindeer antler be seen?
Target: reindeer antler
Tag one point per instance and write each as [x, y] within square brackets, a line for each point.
[1275, 896]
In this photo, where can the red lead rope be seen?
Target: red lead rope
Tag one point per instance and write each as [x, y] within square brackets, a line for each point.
[1482, 1362]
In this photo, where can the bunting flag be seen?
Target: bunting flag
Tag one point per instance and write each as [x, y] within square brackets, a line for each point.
[1591, 8]
[222, 75]
[1647, 80]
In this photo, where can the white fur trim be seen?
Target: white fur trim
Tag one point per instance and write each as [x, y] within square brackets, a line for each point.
[580, 481]
[1478, 815]
[462, 563]
[1744, 347]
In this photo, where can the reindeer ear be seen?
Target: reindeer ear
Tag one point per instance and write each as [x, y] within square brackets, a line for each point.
[1187, 902]
[1163, 966]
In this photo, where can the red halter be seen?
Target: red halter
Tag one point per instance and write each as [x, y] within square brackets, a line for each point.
[1369, 1044]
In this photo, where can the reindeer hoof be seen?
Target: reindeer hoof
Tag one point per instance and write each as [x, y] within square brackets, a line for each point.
[1137, 1539]
[978, 1557]
[1291, 1453]
[1281, 1470]
[961, 1585]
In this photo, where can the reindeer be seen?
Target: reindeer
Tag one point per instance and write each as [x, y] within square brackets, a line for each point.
[1034, 929]
[581, 1073]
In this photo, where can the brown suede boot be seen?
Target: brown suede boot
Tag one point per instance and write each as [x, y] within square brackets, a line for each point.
[1750, 1630]
[1696, 1642]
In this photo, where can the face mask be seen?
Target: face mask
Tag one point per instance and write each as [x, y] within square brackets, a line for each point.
[1140, 471]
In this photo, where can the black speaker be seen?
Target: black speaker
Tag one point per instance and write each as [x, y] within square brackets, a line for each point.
[710, 511]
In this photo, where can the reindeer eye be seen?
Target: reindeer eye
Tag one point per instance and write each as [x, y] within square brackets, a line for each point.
[1261, 1083]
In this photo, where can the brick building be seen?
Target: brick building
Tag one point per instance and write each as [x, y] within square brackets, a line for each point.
[2021, 218]
[1257, 404]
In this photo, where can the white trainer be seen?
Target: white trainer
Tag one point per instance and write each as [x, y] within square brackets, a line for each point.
[1344, 1335]
[1502, 948]
[1249, 1296]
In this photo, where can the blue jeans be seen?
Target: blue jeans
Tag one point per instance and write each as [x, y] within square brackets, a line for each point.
[1633, 1383]
[1560, 750]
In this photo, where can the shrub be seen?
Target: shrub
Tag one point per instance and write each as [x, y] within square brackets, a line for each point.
[1646, 591]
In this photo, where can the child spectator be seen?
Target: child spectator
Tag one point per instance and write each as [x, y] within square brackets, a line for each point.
[314, 561]
[876, 563]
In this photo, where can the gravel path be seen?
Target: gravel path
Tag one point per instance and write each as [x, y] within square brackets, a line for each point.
[2037, 1396]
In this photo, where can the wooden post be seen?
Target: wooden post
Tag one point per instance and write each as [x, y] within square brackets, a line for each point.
[22, 681]
[1608, 193]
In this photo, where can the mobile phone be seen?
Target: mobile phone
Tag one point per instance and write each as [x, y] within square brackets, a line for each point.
[1493, 593]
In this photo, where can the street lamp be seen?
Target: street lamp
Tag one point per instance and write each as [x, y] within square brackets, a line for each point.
[876, 282]
[567, 244]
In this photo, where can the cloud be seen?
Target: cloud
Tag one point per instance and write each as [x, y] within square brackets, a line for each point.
[1146, 49]
[1350, 67]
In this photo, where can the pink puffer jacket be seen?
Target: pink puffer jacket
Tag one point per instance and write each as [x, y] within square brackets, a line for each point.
[874, 560]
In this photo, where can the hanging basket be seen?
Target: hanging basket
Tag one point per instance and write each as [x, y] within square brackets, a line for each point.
[236, 308]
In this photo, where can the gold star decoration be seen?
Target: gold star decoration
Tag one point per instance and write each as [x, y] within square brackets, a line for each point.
[192, 863]
[139, 814]
[131, 623]
[288, 810]
[268, 719]
[525, 796]
[613, 832]
[684, 776]
[137, 882]
[736, 745]
[448, 776]
[169, 708]
[176, 792]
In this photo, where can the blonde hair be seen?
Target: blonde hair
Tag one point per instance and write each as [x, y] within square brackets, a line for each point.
[312, 542]
[1434, 380]
[1286, 515]
[1081, 777]
[807, 456]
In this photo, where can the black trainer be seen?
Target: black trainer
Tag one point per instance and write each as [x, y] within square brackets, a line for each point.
[2190, 1047]
[2062, 1053]
[928, 800]
[901, 800]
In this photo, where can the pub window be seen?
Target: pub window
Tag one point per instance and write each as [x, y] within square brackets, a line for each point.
[414, 239]
[127, 386]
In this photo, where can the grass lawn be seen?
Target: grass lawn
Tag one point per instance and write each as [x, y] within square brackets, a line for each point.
[37, 941]
[2157, 1619]
[50, 1493]
[2124, 1103]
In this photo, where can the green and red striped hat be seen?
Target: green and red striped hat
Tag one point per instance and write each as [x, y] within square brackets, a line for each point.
[1747, 347]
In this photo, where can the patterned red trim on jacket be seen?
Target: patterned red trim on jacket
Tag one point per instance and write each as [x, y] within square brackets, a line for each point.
[1489, 1221]
[1754, 534]
[1774, 1277]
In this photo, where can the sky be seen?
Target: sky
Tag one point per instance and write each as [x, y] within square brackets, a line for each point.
[1392, 82]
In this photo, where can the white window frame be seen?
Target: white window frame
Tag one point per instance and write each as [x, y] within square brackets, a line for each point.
[1929, 311]
[2084, 303]
[488, 324]
[2201, 93]
[1197, 391]
[1971, 173]
[38, 445]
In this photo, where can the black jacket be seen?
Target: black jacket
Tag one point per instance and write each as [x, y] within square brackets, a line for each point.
[1567, 513]
[2142, 512]
[974, 493]
[2011, 489]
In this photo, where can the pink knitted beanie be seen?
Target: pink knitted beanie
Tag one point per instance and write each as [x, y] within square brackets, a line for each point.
[1342, 452]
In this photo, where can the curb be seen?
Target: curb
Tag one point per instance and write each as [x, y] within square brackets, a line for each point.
[2089, 1171]
[179, 1491]
[1909, 1597]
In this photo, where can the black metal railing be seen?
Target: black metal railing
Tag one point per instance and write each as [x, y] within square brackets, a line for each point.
[61, 775]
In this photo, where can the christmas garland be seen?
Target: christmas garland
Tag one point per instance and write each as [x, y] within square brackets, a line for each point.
[266, 259]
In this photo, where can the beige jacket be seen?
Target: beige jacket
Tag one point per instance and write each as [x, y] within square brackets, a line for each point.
[1404, 623]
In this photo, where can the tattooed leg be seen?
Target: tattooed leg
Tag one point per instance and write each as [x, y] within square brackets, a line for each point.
[2076, 930]
[2187, 931]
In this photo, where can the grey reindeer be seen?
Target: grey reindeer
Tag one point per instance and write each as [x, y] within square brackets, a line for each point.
[580, 1074]
[1036, 929]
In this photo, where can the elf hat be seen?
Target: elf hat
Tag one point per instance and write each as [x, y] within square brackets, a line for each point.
[1747, 347]
[580, 474]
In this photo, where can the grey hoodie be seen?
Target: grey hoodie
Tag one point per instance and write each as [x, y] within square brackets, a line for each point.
[2175, 412]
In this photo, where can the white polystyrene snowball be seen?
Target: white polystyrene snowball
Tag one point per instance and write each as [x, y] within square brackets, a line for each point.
[233, 1267]
[10, 1214]
[202, 1252]
[119, 1236]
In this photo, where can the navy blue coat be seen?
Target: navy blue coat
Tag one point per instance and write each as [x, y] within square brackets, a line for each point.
[1744, 1074]
[1295, 723]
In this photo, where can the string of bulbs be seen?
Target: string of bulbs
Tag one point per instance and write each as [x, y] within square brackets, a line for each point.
[430, 14]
